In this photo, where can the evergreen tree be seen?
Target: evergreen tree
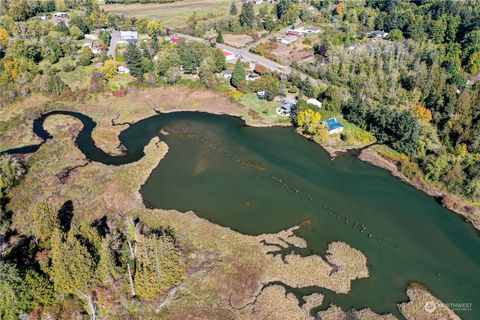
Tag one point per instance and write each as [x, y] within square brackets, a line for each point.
[247, 15]
[62, 27]
[219, 37]
[105, 37]
[106, 269]
[133, 56]
[233, 9]
[157, 265]
[154, 44]
[45, 220]
[40, 289]
[218, 59]
[282, 7]
[13, 295]
[239, 76]
[72, 265]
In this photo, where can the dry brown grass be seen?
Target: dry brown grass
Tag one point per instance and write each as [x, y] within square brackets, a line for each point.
[237, 40]
[423, 305]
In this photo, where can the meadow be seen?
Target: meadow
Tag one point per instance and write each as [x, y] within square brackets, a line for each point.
[175, 14]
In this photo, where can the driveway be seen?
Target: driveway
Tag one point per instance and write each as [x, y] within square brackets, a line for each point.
[113, 43]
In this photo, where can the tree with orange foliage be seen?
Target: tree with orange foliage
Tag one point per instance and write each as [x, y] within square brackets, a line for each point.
[422, 113]
[339, 9]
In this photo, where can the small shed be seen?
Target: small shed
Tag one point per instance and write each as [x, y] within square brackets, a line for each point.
[91, 36]
[314, 102]
[334, 126]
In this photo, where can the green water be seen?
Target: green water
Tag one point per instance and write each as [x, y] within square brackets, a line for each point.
[258, 180]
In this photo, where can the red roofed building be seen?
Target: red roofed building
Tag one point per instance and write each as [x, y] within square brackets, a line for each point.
[229, 56]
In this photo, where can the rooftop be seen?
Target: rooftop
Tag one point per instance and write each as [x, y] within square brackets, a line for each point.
[333, 124]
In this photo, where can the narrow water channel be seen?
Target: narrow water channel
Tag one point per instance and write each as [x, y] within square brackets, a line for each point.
[258, 180]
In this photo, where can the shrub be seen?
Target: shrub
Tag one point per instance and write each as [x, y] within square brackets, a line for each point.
[120, 93]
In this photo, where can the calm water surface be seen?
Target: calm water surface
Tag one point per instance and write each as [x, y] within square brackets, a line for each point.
[258, 180]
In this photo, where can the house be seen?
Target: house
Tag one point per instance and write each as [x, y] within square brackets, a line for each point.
[296, 32]
[123, 70]
[227, 74]
[88, 44]
[377, 34]
[96, 50]
[314, 102]
[251, 76]
[259, 68]
[312, 30]
[229, 56]
[60, 15]
[129, 36]
[261, 94]
[91, 37]
[286, 109]
[287, 40]
[334, 126]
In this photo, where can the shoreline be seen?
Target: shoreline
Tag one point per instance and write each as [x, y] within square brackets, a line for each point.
[454, 204]
[106, 134]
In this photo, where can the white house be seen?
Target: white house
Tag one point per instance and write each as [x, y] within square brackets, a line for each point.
[287, 40]
[96, 50]
[229, 56]
[91, 37]
[123, 70]
[314, 102]
[61, 15]
[251, 76]
[377, 34]
[129, 36]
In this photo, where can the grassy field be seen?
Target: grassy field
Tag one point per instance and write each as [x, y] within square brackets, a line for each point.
[78, 78]
[172, 14]
[265, 109]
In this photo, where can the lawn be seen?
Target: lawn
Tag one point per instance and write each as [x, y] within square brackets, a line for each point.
[172, 14]
[265, 109]
[120, 81]
[351, 136]
[78, 78]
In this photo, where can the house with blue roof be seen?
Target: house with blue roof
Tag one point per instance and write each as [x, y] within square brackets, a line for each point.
[334, 126]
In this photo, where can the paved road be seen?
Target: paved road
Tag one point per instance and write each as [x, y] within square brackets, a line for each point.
[247, 56]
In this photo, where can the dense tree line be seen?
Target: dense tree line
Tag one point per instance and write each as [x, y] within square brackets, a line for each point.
[414, 97]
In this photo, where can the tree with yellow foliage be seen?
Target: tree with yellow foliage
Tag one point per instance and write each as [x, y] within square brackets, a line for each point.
[154, 28]
[309, 121]
[422, 113]
[110, 68]
[4, 37]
